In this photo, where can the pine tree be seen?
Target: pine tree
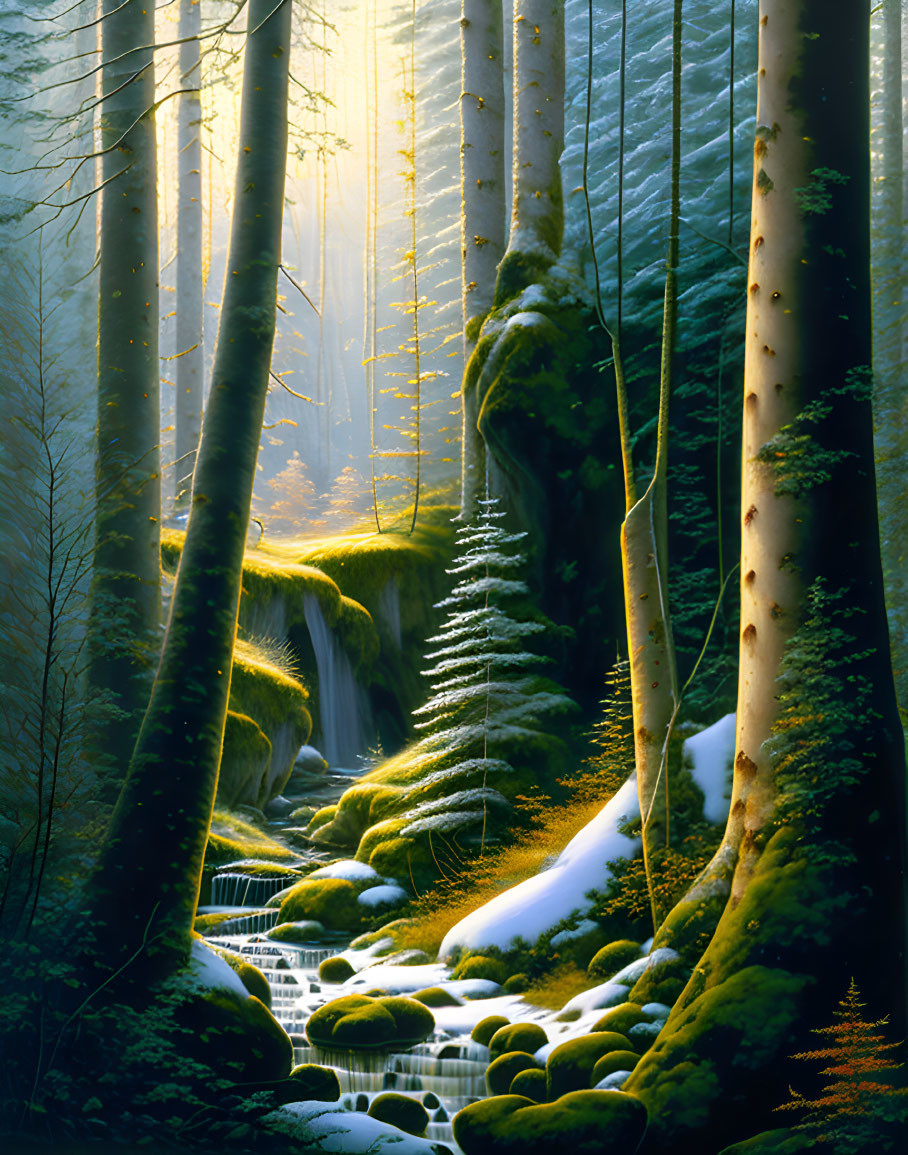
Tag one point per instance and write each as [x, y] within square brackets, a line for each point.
[856, 1111]
[483, 694]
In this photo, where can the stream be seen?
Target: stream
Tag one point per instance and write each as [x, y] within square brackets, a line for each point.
[443, 1073]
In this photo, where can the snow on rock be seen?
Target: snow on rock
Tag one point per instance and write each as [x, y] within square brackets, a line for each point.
[598, 998]
[656, 1010]
[382, 896]
[322, 1127]
[613, 1082]
[585, 926]
[537, 904]
[347, 868]
[209, 970]
[399, 979]
[711, 755]
[628, 975]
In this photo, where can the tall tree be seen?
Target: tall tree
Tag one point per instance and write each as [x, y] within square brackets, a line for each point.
[190, 364]
[126, 609]
[170, 786]
[808, 875]
[537, 208]
[483, 212]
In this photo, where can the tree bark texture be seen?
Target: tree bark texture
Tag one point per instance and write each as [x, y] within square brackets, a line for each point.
[484, 214]
[126, 592]
[801, 918]
[190, 365]
[146, 884]
[537, 209]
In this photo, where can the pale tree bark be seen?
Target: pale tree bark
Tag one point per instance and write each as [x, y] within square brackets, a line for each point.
[141, 900]
[803, 912]
[126, 608]
[483, 211]
[537, 208]
[190, 365]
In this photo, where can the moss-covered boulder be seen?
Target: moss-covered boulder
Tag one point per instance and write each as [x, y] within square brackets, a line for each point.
[400, 1111]
[501, 1071]
[297, 932]
[581, 1122]
[308, 1082]
[335, 970]
[621, 1018]
[233, 838]
[330, 901]
[570, 1065]
[527, 1037]
[484, 1030]
[239, 1038]
[478, 966]
[246, 758]
[358, 1021]
[777, 1142]
[360, 807]
[661, 983]
[613, 1061]
[436, 997]
[529, 1083]
[516, 984]
[612, 957]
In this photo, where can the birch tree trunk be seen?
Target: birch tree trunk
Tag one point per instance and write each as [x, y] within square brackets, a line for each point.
[537, 209]
[126, 592]
[140, 892]
[190, 365]
[483, 212]
[806, 911]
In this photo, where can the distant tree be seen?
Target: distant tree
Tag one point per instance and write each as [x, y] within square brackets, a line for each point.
[859, 1110]
[483, 697]
[294, 498]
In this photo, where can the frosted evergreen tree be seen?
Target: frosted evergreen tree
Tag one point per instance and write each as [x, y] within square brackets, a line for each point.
[485, 696]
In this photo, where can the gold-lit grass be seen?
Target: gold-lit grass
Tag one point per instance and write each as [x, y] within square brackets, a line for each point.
[558, 986]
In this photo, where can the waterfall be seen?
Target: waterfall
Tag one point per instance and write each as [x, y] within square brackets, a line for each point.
[389, 608]
[236, 889]
[342, 703]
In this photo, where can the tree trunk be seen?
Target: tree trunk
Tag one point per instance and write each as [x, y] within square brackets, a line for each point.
[537, 209]
[483, 215]
[806, 911]
[142, 893]
[126, 609]
[190, 366]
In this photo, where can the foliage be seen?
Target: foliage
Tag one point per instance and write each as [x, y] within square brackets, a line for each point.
[858, 1109]
[825, 716]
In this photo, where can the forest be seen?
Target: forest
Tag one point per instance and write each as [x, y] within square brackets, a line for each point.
[453, 607]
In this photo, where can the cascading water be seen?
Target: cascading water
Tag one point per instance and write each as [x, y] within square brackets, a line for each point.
[343, 706]
[230, 888]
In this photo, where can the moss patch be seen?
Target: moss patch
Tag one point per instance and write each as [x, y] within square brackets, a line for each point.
[335, 970]
[502, 1070]
[530, 1083]
[570, 1065]
[400, 1111]
[330, 901]
[358, 1021]
[517, 1037]
[612, 957]
[484, 1030]
[613, 1061]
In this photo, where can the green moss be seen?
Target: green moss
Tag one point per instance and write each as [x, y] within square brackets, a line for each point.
[232, 838]
[321, 817]
[400, 1111]
[613, 1061]
[297, 932]
[479, 966]
[335, 970]
[360, 1021]
[529, 1083]
[245, 760]
[330, 901]
[502, 1070]
[515, 984]
[484, 1030]
[570, 1065]
[777, 1142]
[312, 1082]
[360, 807]
[621, 1018]
[612, 958]
[357, 633]
[577, 1122]
[517, 1037]
[239, 1038]
[436, 997]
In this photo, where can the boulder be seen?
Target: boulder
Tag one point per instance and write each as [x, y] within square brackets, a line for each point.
[330, 901]
[486, 1028]
[577, 1122]
[570, 1065]
[613, 1061]
[400, 1111]
[436, 997]
[611, 958]
[501, 1071]
[529, 1083]
[622, 1018]
[478, 966]
[297, 932]
[335, 970]
[356, 1021]
[527, 1037]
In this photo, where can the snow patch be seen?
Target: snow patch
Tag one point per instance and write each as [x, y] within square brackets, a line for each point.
[382, 896]
[346, 1131]
[711, 755]
[537, 904]
[586, 926]
[209, 970]
[347, 868]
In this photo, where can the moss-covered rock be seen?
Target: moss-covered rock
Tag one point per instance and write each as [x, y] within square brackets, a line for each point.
[578, 1122]
[335, 970]
[255, 982]
[360, 1021]
[613, 1061]
[297, 932]
[570, 1065]
[400, 1111]
[517, 1037]
[330, 901]
[778, 1142]
[501, 1071]
[516, 984]
[484, 1030]
[436, 997]
[621, 1018]
[305, 1083]
[479, 966]
[612, 957]
[245, 761]
[232, 838]
[239, 1038]
[530, 1083]
[662, 983]
[360, 807]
